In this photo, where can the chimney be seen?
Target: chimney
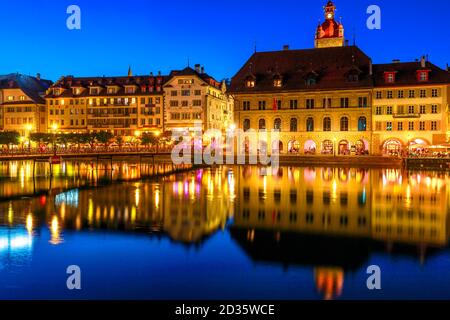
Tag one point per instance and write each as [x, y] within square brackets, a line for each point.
[197, 68]
[151, 74]
[346, 43]
[423, 62]
[159, 73]
[286, 47]
[396, 61]
[370, 67]
[202, 71]
[38, 76]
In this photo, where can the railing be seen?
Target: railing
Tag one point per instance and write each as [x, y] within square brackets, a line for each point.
[406, 115]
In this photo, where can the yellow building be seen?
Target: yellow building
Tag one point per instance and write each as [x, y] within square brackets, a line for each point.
[410, 106]
[121, 105]
[193, 97]
[333, 100]
[22, 103]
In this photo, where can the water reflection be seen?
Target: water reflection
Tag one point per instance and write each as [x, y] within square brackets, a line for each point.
[331, 220]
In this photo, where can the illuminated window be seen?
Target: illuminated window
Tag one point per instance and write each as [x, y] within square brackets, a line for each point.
[344, 124]
[10, 98]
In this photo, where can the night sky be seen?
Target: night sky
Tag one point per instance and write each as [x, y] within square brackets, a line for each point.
[161, 35]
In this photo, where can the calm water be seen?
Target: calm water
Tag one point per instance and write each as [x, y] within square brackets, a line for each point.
[223, 233]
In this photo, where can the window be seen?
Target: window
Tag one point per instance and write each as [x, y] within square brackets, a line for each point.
[362, 102]
[246, 125]
[422, 125]
[277, 83]
[400, 126]
[293, 104]
[174, 103]
[94, 90]
[262, 124]
[389, 126]
[175, 116]
[344, 124]
[184, 103]
[362, 124]
[378, 111]
[389, 94]
[344, 102]
[326, 103]
[400, 94]
[293, 125]
[411, 109]
[423, 93]
[277, 124]
[250, 82]
[10, 98]
[310, 81]
[261, 105]
[389, 110]
[379, 95]
[411, 126]
[185, 93]
[198, 92]
[434, 93]
[423, 109]
[246, 105]
[434, 109]
[197, 103]
[412, 94]
[390, 77]
[423, 76]
[310, 124]
[173, 93]
[22, 98]
[327, 124]
[309, 103]
[434, 125]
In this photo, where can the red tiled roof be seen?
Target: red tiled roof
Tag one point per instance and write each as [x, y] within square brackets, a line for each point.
[332, 66]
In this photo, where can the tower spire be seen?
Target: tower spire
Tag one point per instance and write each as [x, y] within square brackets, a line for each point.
[130, 73]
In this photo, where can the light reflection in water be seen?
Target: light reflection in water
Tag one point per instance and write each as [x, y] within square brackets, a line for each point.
[281, 216]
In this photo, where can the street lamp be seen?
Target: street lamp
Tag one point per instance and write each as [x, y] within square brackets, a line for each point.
[334, 146]
[157, 133]
[54, 129]
[28, 129]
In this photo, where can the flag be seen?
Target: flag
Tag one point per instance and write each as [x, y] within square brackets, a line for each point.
[275, 104]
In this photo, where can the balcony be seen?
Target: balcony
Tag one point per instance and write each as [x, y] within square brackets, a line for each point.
[406, 115]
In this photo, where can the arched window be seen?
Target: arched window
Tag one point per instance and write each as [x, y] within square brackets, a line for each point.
[277, 124]
[344, 124]
[327, 124]
[246, 125]
[262, 124]
[362, 124]
[294, 125]
[310, 124]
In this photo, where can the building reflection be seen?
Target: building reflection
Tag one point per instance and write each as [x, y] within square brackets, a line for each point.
[328, 219]
[332, 219]
[186, 207]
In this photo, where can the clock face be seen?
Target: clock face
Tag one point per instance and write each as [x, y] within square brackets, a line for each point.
[330, 16]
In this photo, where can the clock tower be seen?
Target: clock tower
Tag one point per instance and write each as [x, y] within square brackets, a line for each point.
[330, 33]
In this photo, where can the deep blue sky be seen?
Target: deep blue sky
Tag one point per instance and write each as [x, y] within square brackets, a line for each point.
[160, 35]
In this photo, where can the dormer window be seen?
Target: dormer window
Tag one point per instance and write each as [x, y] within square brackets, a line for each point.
[277, 83]
[250, 82]
[310, 81]
[94, 91]
[56, 91]
[129, 90]
[76, 91]
[111, 90]
[423, 75]
[389, 77]
[353, 78]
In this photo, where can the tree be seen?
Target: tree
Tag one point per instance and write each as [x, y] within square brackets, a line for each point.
[119, 141]
[149, 139]
[9, 137]
[104, 137]
[41, 138]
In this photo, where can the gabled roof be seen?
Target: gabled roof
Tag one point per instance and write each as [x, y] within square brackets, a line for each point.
[331, 65]
[103, 83]
[188, 71]
[406, 74]
[33, 87]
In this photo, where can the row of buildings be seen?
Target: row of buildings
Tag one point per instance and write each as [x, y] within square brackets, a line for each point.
[328, 100]
[122, 105]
